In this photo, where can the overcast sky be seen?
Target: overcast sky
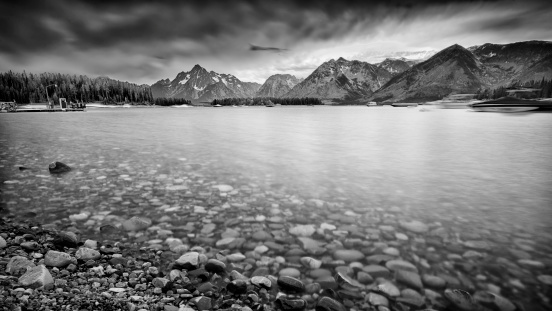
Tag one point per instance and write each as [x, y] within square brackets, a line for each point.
[145, 41]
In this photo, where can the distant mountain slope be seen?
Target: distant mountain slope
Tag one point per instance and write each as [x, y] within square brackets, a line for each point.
[454, 69]
[395, 65]
[277, 85]
[199, 85]
[520, 61]
[341, 79]
[459, 70]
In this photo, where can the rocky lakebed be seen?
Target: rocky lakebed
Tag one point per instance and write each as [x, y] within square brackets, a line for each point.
[160, 241]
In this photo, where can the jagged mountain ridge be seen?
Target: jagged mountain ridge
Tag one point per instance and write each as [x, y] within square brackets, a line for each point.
[341, 79]
[200, 85]
[454, 69]
[277, 85]
[520, 61]
[459, 70]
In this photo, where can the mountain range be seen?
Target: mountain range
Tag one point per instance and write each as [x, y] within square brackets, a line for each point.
[200, 85]
[452, 70]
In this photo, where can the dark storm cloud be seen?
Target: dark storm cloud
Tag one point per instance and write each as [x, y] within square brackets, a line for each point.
[265, 48]
[31, 26]
[535, 16]
[145, 40]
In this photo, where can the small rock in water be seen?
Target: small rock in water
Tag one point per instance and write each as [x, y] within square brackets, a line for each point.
[414, 226]
[462, 300]
[224, 188]
[37, 277]
[57, 259]
[290, 284]
[310, 262]
[290, 272]
[85, 254]
[58, 168]
[410, 279]
[188, 261]
[348, 255]
[433, 281]
[328, 304]
[66, 239]
[238, 287]
[136, 223]
[3, 243]
[546, 279]
[79, 217]
[398, 264]
[493, 301]
[302, 230]
[215, 266]
[287, 304]
[108, 229]
[261, 281]
[389, 289]
[18, 265]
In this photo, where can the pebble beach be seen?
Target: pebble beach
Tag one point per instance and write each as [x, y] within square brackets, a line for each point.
[241, 247]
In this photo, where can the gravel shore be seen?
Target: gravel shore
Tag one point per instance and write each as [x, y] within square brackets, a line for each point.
[46, 269]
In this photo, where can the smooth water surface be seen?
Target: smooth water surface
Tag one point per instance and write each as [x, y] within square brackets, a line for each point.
[437, 165]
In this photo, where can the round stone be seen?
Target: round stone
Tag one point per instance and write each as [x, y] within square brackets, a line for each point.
[290, 284]
[391, 251]
[329, 304]
[215, 266]
[261, 249]
[462, 300]
[410, 279]
[18, 265]
[57, 259]
[136, 223]
[398, 264]
[235, 257]
[66, 239]
[433, 281]
[261, 236]
[414, 226]
[225, 242]
[238, 287]
[287, 304]
[37, 277]
[85, 253]
[546, 279]
[310, 262]
[290, 272]
[494, 301]
[261, 281]
[388, 288]
[188, 261]
[303, 230]
[377, 271]
[224, 188]
[377, 299]
[348, 255]
[58, 167]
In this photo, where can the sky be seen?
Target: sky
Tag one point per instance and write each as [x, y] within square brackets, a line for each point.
[143, 41]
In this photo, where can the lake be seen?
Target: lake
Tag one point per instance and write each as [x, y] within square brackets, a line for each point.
[477, 183]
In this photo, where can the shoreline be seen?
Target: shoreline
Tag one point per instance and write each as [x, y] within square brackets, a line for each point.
[139, 265]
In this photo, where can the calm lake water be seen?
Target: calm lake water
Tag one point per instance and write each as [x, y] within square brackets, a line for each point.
[486, 174]
[439, 165]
